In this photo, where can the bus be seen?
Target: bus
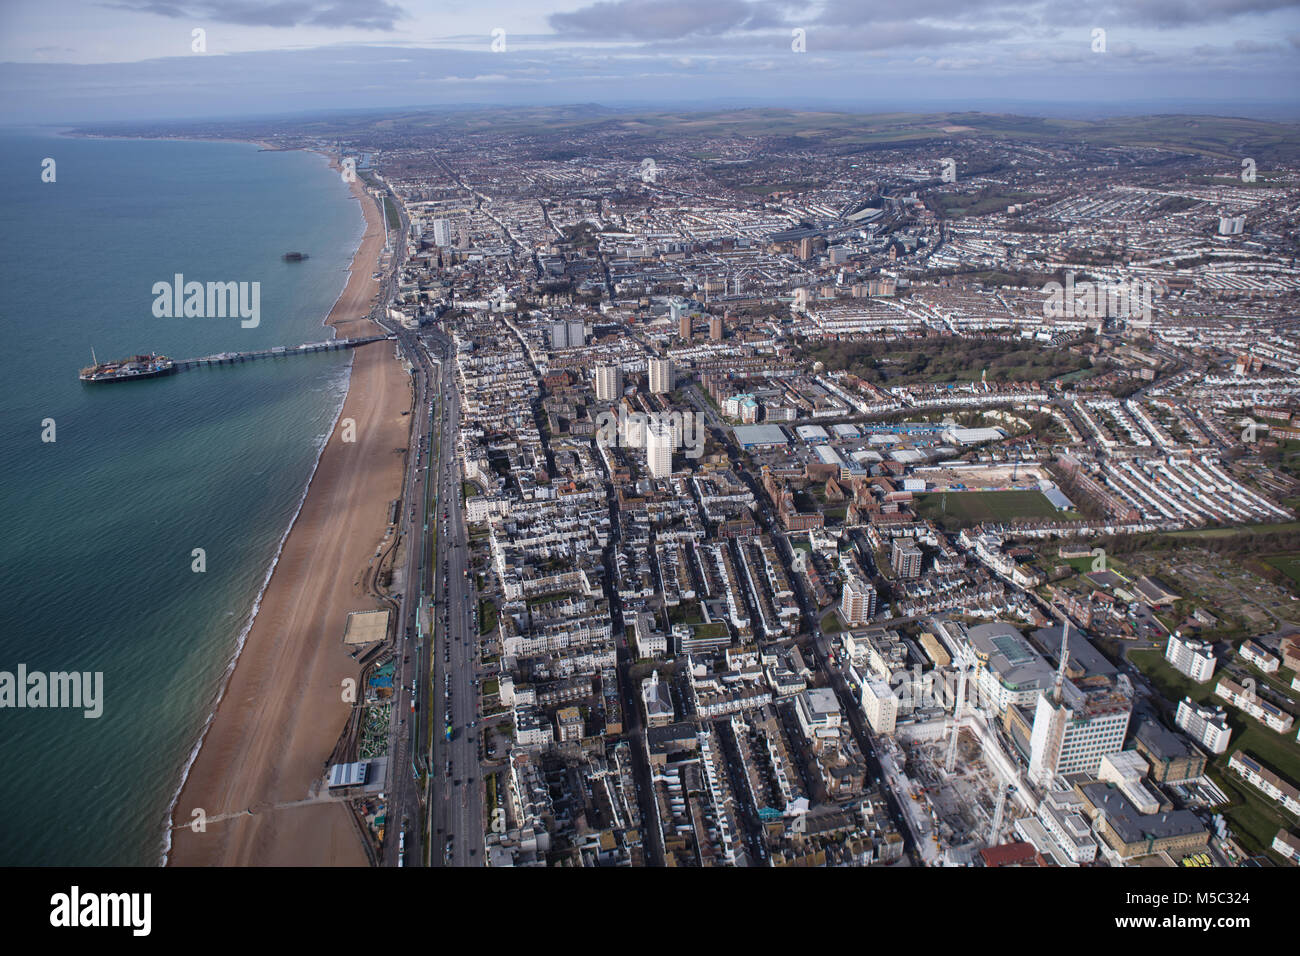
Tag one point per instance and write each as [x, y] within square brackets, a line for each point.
[449, 731]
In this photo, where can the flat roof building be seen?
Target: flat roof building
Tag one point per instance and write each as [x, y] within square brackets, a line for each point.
[1172, 758]
[1208, 726]
[1194, 659]
[1131, 833]
[760, 436]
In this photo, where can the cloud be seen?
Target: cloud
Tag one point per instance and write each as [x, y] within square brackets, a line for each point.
[900, 34]
[655, 19]
[1254, 46]
[333, 14]
[1163, 14]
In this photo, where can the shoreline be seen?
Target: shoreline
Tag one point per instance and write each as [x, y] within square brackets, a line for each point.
[264, 743]
[169, 816]
[193, 755]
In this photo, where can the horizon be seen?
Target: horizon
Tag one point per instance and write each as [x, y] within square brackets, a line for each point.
[1281, 114]
[77, 61]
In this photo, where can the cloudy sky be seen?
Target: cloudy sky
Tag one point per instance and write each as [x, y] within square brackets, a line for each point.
[80, 60]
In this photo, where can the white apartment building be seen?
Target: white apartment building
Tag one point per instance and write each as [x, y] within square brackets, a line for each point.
[1253, 653]
[1062, 815]
[650, 641]
[609, 383]
[1255, 706]
[819, 713]
[880, 705]
[1286, 845]
[442, 233]
[1208, 726]
[661, 376]
[1266, 781]
[659, 449]
[858, 602]
[1193, 659]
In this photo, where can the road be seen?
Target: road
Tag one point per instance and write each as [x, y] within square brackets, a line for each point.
[417, 779]
[455, 786]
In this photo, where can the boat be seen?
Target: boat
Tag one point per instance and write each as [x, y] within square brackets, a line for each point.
[294, 256]
[121, 370]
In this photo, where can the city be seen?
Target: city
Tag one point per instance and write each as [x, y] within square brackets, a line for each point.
[920, 498]
[631, 435]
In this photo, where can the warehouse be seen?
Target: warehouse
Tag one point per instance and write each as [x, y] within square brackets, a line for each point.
[972, 436]
[760, 436]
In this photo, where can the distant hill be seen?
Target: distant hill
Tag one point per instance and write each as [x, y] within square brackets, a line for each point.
[1217, 136]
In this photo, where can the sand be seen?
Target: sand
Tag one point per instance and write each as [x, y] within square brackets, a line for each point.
[283, 710]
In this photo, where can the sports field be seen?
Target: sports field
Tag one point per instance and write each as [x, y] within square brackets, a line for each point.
[964, 508]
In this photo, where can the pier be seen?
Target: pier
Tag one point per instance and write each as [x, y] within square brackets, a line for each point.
[279, 351]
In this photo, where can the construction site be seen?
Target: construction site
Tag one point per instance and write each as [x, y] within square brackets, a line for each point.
[967, 804]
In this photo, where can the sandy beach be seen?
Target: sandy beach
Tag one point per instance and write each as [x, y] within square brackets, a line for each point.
[283, 709]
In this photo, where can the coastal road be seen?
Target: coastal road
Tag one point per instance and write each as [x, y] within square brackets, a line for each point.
[410, 683]
[456, 794]
[417, 697]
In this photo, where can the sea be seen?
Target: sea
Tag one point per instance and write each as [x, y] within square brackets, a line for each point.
[141, 520]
